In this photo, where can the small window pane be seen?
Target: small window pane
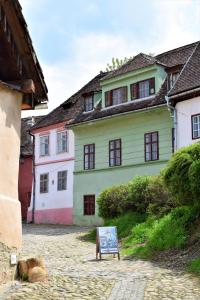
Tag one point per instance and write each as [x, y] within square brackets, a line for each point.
[148, 138]
[44, 182]
[115, 153]
[151, 146]
[196, 126]
[89, 103]
[89, 156]
[154, 137]
[44, 145]
[89, 205]
[62, 180]
[144, 89]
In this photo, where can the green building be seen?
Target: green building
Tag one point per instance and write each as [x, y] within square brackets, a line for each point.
[123, 127]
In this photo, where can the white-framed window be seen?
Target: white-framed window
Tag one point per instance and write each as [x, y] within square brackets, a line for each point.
[196, 126]
[44, 183]
[62, 141]
[89, 103]
[116, 96]
[44, 145]
[62, 180]
[144, 89]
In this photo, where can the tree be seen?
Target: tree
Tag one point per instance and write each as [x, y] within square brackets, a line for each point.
[116, 63]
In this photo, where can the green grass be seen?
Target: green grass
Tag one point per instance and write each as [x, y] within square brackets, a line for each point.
[143, 237]
[124, 225]
[170, 231]
[194, 266]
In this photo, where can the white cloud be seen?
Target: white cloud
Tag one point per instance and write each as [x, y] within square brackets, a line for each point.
[177, 24]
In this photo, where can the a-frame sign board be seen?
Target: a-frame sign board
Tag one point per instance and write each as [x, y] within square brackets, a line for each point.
[107, 241]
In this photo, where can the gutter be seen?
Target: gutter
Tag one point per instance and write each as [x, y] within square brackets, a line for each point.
[173, 113]
[33, 208]
[114, 116]
[184, 93]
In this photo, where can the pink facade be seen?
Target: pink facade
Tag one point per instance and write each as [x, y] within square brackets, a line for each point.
[52, 216]
[53, 203]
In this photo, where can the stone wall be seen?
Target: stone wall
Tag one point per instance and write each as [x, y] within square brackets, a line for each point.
[7, 272]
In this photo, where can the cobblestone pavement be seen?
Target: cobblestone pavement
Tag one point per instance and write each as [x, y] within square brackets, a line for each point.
[75, 274]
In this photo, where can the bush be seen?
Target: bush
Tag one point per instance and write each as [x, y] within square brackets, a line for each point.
[113, 201]
[137, 194]
[182, 175]
[194, 177]
[125, 223]
[170, 231]
[194, 266]
[157, 196]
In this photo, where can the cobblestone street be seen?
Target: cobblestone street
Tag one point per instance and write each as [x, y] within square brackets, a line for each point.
[75, 274]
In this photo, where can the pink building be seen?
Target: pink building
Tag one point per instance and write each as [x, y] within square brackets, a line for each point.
[52, 194]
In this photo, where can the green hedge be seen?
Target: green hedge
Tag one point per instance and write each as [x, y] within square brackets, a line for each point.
[182, 175]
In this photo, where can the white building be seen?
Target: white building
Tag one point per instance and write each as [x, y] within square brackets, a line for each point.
[188, 122]
[52, 196]
[185, 98]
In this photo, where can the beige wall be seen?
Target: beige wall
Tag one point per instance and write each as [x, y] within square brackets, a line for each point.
[10, 122]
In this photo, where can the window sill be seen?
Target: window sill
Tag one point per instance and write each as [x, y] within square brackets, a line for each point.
[129, 102]
[89, 111]
[63, 152]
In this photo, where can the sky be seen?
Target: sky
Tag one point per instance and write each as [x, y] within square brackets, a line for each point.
[75, 39]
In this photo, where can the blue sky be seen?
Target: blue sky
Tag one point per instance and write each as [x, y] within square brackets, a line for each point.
[74, 40]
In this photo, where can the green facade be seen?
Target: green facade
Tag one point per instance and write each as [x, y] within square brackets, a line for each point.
[130, 127]
[132, 77]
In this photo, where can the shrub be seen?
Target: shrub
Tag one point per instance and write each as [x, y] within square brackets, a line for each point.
[194, 266]
[194, 178]
[182, 175]
[137, 194]
[125, 223]
[113, 201]
[170, 231]
[157, 196]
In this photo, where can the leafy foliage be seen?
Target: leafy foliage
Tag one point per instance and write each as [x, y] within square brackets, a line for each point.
[125, 223]
[112, 201]
[137, 194]
[117, 63]
[182, 175]
[170, 231]
[194, 266]
[159, 199]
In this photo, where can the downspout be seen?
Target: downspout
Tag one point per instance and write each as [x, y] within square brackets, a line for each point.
[173, 114]
[33, 208]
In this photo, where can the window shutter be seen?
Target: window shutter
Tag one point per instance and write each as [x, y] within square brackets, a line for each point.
[124, 99]
[152, 86]
[134, 91]
[108, 98]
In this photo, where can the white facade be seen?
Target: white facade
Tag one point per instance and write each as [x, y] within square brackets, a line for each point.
[55, 204]
[185, 110]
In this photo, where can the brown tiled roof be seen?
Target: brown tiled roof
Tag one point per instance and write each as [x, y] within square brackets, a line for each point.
[71, 107]
[72, 110]
[158, 99]
[189, 78]
[26, 147]
[139, 61]
[177, 56]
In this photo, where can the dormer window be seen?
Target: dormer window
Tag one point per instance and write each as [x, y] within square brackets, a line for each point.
[143, 89]
[116, 96]
[172, 79]
[88, 103]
